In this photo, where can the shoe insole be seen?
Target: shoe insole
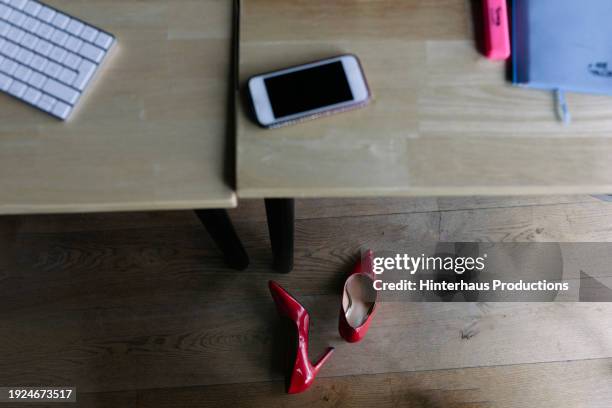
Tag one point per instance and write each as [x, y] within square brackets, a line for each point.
[358, 299]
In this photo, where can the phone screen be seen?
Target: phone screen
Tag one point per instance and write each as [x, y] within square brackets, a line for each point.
[308, 89]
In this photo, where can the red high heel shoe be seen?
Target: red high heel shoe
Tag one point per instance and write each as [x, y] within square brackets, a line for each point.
[358, 300]
[302, 373]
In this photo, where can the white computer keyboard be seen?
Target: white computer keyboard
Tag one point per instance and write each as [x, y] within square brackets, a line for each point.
[47, 58]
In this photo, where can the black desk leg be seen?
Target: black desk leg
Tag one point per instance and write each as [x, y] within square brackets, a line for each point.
[221, 230]
[281, 225]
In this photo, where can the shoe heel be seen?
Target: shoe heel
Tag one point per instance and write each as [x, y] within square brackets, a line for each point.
[301, 371]
[317, 366]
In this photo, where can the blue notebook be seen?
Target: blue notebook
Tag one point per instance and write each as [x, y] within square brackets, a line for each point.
[563, 45]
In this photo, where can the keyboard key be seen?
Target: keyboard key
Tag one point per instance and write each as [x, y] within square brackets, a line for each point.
[4, 11]
[10, 49]
[86, 71]
[8, 66]
[17, 89]
[23, 73]
[32, 8]
[60, 20]
[5, 82]
[53, 70]
[38, 62]
[67, 76]
[46, 103]
[16, 17]
[104, 41]
[59, 37]
[37, 80]
[32, 95]
[72, 61]
[15, 34]
[31, 24]
[24, 56]
[75, 27]
[29, 41]
[43, 47]
[61, 110]
[73, 44]
[89, 33]
[61, 91]
[91, 52]
[45, 30]
[18, 4]
[4, 27]
[58, 54]
[46, 14]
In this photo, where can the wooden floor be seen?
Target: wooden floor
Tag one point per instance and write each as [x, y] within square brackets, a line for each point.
[137, 310]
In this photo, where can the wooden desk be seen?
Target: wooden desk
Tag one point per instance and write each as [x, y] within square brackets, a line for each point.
[150, 133]
[444, 120]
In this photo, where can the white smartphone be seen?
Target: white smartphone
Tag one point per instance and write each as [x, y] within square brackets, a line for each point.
[308, 91]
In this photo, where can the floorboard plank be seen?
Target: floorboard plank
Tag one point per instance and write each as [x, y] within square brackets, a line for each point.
[116, 263]
[484, 202]
[253, 211]
[305, 209]
[553, 385]
[168, 342]
[586, 222]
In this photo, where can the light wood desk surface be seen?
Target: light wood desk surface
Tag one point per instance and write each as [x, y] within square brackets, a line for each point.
[444, 120]
[151, 131]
